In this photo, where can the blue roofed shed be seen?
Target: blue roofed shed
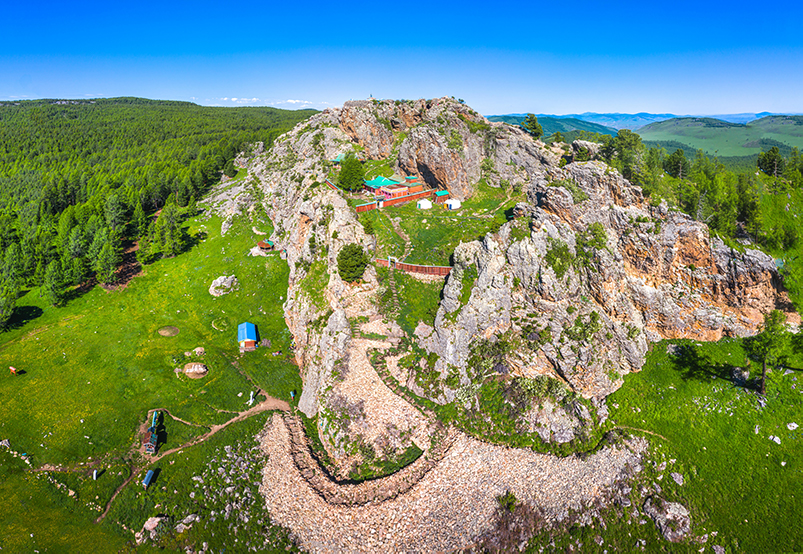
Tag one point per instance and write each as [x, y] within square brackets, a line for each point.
[247, 336]
[148, 478]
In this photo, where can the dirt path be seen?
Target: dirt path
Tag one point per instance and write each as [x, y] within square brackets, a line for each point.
[268, 404]
[395, 221]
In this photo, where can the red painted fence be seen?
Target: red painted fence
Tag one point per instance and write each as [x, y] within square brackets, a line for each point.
[393, 201]
[412, 268]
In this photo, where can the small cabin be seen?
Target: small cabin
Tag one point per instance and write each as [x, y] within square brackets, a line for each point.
[265, 245]
[441, 196]
[339, 158]
[151, 438]
[148, 479]
[247, 337]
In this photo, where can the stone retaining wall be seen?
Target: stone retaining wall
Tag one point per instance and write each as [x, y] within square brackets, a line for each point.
[374, 491]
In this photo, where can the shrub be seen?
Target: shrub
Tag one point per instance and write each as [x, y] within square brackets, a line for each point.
[351, 262]
[558, 257]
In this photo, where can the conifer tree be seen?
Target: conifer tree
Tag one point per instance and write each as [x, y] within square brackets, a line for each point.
[8, 300]
[54, 286]
[140, 220]
[105, 265]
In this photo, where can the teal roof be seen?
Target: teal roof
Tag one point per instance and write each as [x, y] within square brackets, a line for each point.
[380, 181]
[411, 178]
[442, 193]
[339, 158]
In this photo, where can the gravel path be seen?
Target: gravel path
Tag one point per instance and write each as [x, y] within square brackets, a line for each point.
[449, 507]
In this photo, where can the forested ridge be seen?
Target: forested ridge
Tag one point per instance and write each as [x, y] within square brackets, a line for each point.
[80, 178]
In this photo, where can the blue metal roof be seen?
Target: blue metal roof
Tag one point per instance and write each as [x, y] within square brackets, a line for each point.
[246, 331]
[148, 478]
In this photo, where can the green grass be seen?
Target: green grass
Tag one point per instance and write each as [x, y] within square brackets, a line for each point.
[726, 139]
[435, 233]
[95, 367]
[176, 494]
[101, 360]
[418, 301]
[735, 482]
[36, 515]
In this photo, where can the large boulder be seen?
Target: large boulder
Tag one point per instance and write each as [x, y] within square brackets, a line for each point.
[223, 285]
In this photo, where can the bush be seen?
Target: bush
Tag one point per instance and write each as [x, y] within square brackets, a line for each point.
[351, 262]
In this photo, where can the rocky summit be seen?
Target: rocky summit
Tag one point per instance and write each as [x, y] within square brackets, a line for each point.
[570, 292]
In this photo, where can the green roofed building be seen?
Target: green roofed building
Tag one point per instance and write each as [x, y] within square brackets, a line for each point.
[441, 196]
[339, 158]
[376, 183]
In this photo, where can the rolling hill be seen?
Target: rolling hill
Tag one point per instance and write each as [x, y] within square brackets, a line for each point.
[557, 124]
[722, 138]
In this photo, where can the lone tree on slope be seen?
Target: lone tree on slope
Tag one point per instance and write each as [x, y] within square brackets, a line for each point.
[352, 173]
[532, 126]
[351, 262]
[768, 344]
[771, 162]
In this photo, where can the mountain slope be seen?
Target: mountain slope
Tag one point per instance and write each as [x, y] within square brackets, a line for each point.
[557, 124]
[719, 137]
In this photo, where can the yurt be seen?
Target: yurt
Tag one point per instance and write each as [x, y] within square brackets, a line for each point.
[453, 204]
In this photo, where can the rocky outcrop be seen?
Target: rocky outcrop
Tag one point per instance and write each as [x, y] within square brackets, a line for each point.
[585, 149]
[584, 278]
[671, 518]
[604, 274]
[223, 285]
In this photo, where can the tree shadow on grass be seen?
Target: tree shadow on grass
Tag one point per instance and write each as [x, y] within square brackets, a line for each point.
[22, 315]
[694, 365]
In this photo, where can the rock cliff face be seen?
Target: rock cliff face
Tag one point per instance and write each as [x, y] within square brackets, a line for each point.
[584, 278]
[604, 274]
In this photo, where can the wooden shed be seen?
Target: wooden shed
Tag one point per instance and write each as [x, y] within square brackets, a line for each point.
[441, 196]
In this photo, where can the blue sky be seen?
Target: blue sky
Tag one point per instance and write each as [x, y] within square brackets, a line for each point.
[551, 57]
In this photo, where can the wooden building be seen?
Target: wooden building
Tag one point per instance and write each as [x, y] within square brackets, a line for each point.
[441, 196]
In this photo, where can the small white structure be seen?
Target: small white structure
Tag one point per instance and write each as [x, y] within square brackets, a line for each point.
[453, 204]
[423, 204]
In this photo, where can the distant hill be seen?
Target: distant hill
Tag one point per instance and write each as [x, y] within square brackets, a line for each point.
[727, 139]
[638, 120]
[557, 124]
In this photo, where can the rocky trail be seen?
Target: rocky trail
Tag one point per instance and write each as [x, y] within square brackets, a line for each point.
[435, 505]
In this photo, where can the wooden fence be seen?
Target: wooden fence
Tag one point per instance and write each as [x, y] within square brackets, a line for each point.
[412, 268]
[393, 201]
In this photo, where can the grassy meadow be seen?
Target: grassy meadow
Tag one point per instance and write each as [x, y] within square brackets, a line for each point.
[727, 139]
[93, 369]
[738, 482]
[435, 233]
